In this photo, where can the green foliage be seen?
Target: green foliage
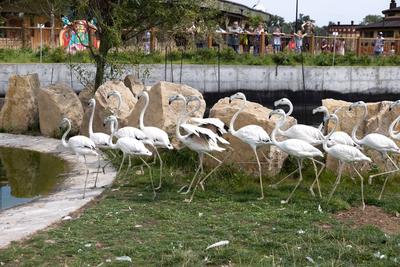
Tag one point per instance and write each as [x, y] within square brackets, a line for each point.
[200, 56]
[371, 19]
[323, 59]
[165, 231]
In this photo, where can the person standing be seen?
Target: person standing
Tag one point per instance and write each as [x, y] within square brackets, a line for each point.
[379, 44]
[298, 38]
[257, 39]
[341, 45]
[234, 36]
[277, 40]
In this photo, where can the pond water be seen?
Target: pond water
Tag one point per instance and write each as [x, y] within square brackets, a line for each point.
[25, 175]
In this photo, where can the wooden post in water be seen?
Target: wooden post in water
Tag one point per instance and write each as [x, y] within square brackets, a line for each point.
[262, 44]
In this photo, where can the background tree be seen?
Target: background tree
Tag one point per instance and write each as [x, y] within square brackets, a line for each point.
[51, 9]
[371, 19]
[119, 21]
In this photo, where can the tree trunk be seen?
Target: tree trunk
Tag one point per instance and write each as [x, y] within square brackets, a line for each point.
[52, 34]
[101, 60]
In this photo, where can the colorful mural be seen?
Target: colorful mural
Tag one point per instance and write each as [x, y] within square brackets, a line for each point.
[75, 35]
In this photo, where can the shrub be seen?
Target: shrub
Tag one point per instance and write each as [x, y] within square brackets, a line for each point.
[57, 55]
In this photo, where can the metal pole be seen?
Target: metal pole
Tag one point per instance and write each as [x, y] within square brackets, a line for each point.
[219, 68]
[297, 15]
[180, 73]
[41, 42]
[334, 50]
[165, 63]
[172, 70]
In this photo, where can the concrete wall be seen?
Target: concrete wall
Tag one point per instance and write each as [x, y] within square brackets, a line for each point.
[264, 78]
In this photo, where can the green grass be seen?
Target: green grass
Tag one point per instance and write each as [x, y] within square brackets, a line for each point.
[126, 221]
[202, 56]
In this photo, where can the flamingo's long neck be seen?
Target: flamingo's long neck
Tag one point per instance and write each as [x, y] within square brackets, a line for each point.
[278, 124]
[290, 109]
[391, 128]
[354, 132]
[119, 97]
[91, 119]
[113, 129]
[180, 120]
[63, 141]
[191, 113]
[141, 118]
[231, 128]
[325, 142]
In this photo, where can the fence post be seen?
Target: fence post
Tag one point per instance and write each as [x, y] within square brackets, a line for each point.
[358, 46]
[262, 44]
[209, 41]
[312, 44]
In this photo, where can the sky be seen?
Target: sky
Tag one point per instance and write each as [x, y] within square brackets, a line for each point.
[323, 11]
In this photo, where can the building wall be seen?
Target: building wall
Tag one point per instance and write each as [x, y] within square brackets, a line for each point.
[366, 80]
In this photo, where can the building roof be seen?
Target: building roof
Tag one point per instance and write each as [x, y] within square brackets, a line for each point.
[391, 10]
[381, 25]
[241, 10]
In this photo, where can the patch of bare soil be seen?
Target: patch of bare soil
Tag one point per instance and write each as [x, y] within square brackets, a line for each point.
[372, 215]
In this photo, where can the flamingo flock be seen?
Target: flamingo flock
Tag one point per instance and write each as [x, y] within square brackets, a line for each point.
[205, 136]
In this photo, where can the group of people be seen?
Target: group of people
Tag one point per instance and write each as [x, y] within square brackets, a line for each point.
[252, 38]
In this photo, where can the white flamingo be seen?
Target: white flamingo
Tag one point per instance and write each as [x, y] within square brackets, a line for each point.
[303, 132]
[100, 139]
[129, 131]
[201, 140]
[253, 135]
[129, 147]
[158, 137]
[214, 124]
[80, 145]
[338, 137]
[345, 154]
[375, 141]
[393, 134]
[295, 147]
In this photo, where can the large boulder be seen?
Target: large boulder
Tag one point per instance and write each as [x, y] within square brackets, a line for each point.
[378, 121]
[20, 111]
[106, 107]
[159, 113]
[134, 84]
[86, 94]
[56, 102]
[256, 114]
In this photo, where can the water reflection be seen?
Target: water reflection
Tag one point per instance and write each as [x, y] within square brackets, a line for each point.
[26, 174]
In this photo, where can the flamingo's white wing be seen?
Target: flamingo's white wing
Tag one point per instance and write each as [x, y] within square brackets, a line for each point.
[380, 142]
[299, 148]
[253, 134]
[100, 139]
[347, 153]
[306, 133]
[133, 132]
[132, 146]
[220, 125]
[158, 136]
[343, 138]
